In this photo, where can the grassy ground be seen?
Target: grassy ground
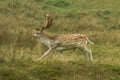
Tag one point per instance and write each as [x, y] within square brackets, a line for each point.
[98, 19]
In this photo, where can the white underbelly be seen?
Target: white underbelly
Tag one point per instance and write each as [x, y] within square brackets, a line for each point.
[67, 47]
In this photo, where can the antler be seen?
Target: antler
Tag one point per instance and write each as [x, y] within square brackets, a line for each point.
[48, 22]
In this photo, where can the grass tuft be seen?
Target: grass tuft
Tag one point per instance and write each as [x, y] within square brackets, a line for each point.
[99, 20]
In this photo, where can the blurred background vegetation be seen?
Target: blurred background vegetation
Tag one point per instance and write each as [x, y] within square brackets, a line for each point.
[98, 19]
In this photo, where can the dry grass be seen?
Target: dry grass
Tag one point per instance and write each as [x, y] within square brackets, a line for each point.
[99, 20]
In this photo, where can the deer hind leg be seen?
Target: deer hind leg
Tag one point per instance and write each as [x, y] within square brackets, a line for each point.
[88, 53]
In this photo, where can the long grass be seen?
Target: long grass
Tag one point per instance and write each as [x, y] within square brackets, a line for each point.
[99, 20]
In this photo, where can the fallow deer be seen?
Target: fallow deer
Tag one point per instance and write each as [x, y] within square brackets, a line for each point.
[64, 41]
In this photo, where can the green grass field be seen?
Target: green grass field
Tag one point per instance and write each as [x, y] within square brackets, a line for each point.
[98, 19]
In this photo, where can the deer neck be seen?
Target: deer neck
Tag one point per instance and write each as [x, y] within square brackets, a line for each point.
[45, 38]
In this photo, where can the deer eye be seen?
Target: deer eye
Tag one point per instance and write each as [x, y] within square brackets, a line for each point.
[37, 33]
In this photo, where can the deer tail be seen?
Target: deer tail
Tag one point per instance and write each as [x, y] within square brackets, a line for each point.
[89, 41]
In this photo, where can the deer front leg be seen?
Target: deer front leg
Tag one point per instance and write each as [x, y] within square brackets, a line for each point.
[44, 54]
